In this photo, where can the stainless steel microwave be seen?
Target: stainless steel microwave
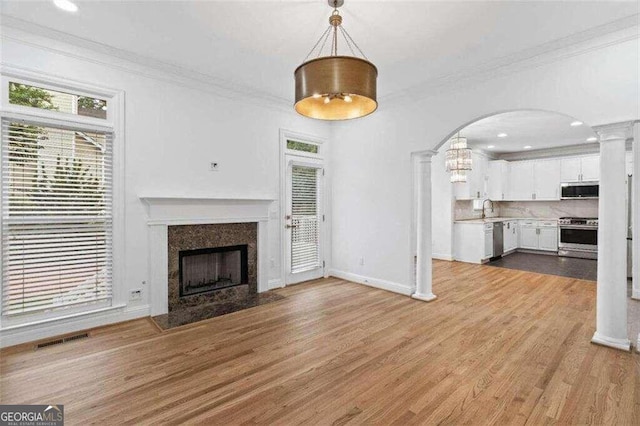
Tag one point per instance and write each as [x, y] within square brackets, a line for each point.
[571, 190]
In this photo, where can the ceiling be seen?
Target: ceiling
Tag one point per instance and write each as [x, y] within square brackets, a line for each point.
[258, 44]
[536, 129]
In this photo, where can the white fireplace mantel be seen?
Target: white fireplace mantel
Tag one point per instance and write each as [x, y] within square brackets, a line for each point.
[169, 210]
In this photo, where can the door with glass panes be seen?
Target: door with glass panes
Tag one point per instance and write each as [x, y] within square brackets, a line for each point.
[304, 221]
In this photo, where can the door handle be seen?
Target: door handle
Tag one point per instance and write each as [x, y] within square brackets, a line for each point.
[291, 226]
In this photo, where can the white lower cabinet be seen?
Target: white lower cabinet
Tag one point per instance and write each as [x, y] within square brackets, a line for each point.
[510, 235]
[528, 235]
[548, 238]
[488, 240]
[539, 235]
[472, 242]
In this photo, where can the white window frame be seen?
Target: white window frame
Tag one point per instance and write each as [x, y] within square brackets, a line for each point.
[114, 123]
[286, 153]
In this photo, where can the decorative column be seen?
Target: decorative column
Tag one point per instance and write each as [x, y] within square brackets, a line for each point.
[611, 297]
[424, 272]
[635, 248]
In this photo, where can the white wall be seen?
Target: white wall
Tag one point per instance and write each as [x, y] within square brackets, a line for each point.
[173, 130]
[442, 203]
[371, 157]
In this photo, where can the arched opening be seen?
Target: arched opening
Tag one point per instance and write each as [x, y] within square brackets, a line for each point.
[531, 200]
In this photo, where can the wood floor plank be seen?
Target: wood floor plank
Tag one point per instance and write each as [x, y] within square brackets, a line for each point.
[497, 347]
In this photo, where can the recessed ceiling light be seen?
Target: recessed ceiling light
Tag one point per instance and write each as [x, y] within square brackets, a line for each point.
[66, 5]
[502, 135]
[527, 147]
[592, 139]
[576, 123]
[491, 146]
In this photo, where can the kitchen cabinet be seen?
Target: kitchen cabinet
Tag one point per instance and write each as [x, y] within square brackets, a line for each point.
[546, 174]
[580, 169]
[497, 180]
[529, 235]
[475, 186]
[488, 241]
[548, 238]
[510, 235]
[472, 241]
[539, 235]
[521, 181]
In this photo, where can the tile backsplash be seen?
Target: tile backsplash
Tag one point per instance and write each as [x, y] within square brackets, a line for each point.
[532, 209]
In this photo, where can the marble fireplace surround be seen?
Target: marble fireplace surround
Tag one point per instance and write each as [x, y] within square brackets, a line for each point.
[211, 235]
[166, 211]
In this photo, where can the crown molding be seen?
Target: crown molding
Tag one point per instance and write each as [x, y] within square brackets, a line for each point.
[561, 151]
[34, 35]
[596, 38]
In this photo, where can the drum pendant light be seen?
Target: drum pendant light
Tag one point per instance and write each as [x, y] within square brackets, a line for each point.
[336, 87]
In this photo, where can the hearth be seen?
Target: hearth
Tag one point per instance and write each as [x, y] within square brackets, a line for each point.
[210, 269]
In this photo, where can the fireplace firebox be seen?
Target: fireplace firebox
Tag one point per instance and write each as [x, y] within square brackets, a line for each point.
[210, 269]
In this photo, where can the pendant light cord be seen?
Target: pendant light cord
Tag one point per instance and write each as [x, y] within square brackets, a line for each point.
[335, 24]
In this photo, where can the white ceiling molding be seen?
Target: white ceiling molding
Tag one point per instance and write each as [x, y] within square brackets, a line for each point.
[561, 151]
[599, 37]
[38, 36]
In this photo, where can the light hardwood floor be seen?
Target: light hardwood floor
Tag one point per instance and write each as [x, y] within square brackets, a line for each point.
[498, 346]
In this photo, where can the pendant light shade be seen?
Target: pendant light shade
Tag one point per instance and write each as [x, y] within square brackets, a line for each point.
[336, 87]
[458, 159]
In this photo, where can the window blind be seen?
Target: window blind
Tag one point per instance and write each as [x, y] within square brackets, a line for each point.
[305, 250]
[56, 217]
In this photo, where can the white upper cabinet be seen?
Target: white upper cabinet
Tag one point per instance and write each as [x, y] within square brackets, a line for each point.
[580, 169]
[521, 181]
[546, 179]
[570, 169]
[498, 177]
[591, 168]
[475, 186]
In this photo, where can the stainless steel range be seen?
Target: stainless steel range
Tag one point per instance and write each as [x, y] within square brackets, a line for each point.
[578, 237]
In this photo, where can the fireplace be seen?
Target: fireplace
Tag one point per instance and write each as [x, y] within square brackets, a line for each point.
[210, 269]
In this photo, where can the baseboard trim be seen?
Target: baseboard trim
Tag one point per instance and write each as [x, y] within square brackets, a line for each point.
[28, 334]
[440, 256]
[622, 344]
[373, 282]
[275, 283]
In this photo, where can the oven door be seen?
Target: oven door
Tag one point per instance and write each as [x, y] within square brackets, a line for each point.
[578, 237]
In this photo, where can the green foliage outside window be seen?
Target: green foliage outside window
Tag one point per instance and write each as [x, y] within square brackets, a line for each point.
[23, 139]
[301, 146]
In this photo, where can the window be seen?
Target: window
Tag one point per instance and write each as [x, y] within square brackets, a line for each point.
[302, 146]
[53, 100]
[56, 216]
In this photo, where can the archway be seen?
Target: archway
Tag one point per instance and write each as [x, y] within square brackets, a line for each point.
[610, 144]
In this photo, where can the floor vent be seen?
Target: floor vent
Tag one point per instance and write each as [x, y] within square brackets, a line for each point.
[62, 340]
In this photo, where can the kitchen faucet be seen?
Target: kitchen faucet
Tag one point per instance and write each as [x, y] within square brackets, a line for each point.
[483, 204]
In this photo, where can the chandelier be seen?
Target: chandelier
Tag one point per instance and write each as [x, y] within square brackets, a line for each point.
[458, 159]
[335, 87]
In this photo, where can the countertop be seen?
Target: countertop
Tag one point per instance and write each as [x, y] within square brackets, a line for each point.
[504, 219]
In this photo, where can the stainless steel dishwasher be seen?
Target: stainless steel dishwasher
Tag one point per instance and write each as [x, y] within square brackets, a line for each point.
[498, 240]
